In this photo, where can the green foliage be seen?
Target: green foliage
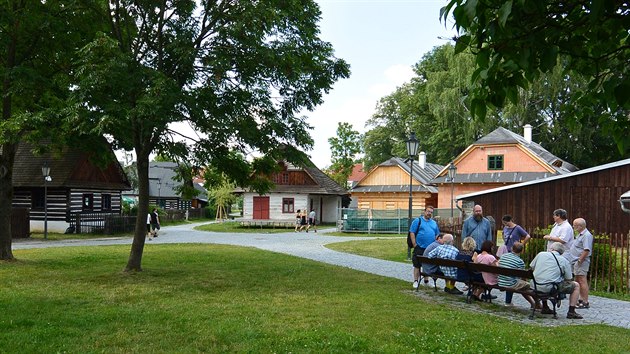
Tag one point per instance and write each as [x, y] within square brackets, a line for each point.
[344, 149]
[516, 42]
[426, 105]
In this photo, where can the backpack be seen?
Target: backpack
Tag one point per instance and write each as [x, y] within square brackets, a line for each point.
[409, 241]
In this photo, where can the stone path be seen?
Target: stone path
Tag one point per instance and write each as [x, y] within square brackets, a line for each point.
[312, 246]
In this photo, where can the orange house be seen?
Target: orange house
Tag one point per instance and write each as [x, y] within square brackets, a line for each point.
[498, 159]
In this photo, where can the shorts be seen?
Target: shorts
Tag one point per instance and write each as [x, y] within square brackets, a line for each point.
[149, 228]
[521, 285]
[581, 268]
[566, 287]
[311, 221]
[417, 251]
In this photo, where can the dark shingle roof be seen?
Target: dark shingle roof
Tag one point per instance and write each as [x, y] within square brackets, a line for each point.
[326, 184]
[72, 169]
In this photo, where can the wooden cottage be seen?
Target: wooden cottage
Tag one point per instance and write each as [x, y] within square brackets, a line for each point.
[76, 185]
[498, 159]
[386, 186]
[295, 188]
[593, 194]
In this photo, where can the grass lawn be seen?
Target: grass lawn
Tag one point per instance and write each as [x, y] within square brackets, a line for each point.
[206, 298]
[235, 227]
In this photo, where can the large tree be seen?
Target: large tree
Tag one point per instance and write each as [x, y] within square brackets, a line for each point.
[515, 42]
[38, 41]
[344, 150]
[237, 71]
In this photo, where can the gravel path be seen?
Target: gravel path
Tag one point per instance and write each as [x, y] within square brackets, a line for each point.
[312, 246]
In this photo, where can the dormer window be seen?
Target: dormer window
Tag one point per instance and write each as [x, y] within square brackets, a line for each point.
[495, 162]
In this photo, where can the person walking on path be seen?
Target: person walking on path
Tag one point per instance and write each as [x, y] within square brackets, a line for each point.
[423, 231]
[561, 232]
[580, 257]
[298, 220]
[312, 220]
[149, 233]
[155, 222]
[478, 227]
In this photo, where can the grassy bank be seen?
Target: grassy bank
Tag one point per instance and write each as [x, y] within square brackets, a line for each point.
[208, 298]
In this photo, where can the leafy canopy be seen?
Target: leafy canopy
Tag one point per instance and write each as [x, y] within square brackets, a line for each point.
[516, 41]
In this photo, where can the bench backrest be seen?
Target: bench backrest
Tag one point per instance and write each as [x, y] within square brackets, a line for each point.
[442, 262]
[511, 272]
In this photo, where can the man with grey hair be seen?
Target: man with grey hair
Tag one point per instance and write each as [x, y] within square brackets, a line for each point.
[561, 232]
[579, 255]
[447, 251]
[551, 268]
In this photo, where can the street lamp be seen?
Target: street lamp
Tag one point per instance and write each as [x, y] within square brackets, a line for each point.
[452, 170]
[412, 150]
[46, 174]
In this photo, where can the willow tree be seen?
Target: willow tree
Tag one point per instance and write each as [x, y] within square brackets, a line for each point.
[238, 72]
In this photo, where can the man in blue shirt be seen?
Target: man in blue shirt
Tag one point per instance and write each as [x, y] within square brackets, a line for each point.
[477, 227]
[423, 231]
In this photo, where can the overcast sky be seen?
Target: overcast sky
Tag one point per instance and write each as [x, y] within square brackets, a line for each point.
[382, 40]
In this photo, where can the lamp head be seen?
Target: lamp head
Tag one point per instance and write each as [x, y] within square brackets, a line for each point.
[412, 145]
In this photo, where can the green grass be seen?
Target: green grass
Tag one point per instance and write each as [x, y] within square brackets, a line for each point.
[210, 298]
[235, 227]
[388, 249]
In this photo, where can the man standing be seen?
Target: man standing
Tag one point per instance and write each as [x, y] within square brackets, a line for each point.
[477, 227]
[561, 232]
[549, 267]
[423, 231]
[580, 257]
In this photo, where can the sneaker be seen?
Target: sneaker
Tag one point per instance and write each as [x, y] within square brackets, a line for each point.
[486, 297]
[574, 315]
[546, 311]
[415, 284]
[509, 304]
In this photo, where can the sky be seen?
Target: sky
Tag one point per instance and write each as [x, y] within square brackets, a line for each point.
[381, 40]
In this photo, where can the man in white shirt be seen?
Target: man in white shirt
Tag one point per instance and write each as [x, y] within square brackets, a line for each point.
[561, 232]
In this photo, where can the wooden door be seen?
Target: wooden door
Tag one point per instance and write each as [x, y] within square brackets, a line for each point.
[261, 207]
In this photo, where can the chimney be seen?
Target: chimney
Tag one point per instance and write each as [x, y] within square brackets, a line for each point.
[422, 159]
[527, 133]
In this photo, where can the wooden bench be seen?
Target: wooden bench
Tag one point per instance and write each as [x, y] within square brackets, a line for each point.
[476, 268]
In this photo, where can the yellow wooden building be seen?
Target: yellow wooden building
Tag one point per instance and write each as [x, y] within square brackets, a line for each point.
[386, 186]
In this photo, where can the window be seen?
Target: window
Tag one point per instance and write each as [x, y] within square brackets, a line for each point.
[106, 202]
[287, 205]
[285, 178]
[88, 202]
[37, 199]
[495, 162]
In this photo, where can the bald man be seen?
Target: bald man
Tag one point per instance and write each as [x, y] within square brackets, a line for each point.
[580, 257]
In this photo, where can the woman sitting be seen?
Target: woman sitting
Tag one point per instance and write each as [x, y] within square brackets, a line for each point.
[487, 258]
[467, 254]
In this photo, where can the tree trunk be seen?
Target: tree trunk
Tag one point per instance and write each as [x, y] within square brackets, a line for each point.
[137, 247]
[7, 155]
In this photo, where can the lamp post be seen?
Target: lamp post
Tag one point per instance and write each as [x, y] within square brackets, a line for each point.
[452, 170]
[46, 174]
[412, 150]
